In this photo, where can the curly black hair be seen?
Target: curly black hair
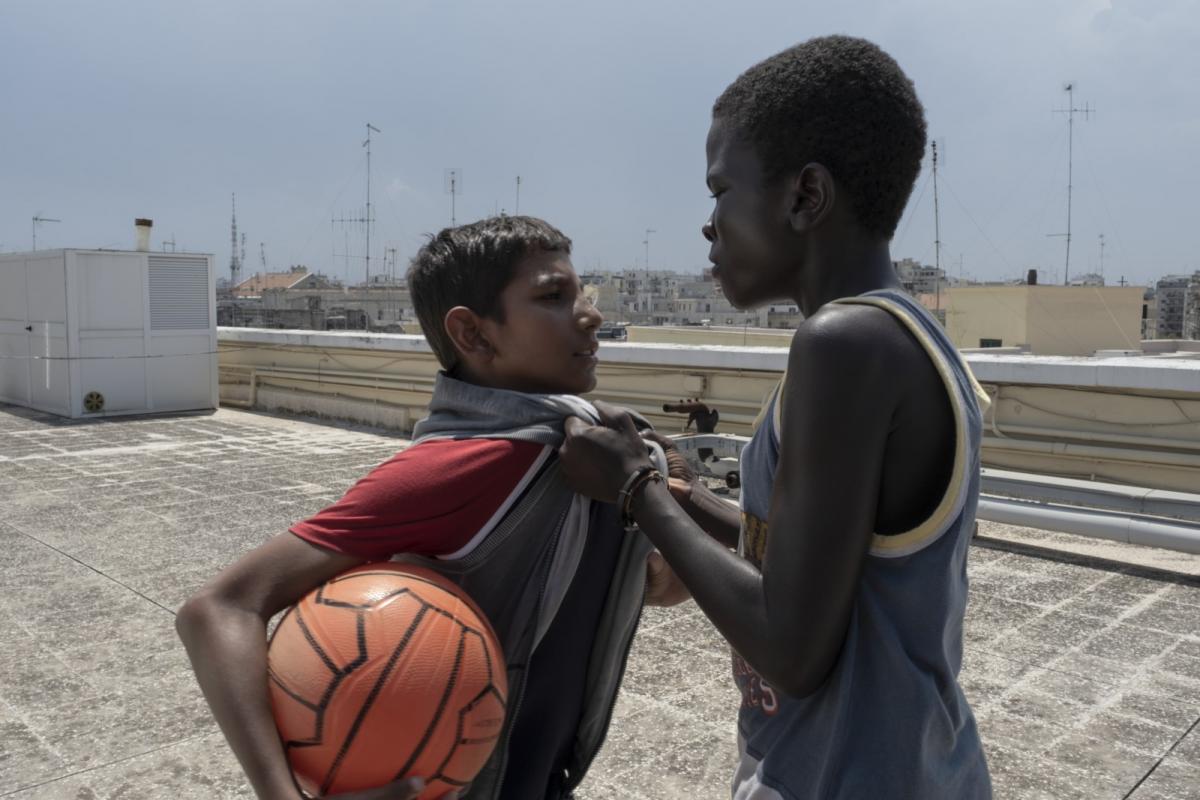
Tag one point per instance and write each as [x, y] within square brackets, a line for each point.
[469, 266]
[841, 102]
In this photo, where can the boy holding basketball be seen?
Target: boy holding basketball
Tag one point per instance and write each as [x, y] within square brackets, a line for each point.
[480, 498]
[844, 601]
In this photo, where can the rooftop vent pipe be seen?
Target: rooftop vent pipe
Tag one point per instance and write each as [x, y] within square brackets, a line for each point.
[142, 226]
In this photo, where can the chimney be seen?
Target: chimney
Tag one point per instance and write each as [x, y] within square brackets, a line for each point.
[142, 226]
[1031, 277]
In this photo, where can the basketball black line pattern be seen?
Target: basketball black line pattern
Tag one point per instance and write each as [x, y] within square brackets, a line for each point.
[467, 709]
[339, 674]
[374, 693]
[437, 715]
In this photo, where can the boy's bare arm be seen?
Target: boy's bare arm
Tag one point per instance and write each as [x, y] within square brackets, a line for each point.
[223, 627]
[720, 518]
[788, 620]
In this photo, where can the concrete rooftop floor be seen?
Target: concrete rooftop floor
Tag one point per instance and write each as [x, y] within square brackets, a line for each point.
[1084, 672]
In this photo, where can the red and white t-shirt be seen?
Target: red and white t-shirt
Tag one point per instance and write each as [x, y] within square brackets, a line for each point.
[443, 497]
[438, 498]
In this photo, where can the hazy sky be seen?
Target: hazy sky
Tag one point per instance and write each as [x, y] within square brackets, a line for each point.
[114, 110]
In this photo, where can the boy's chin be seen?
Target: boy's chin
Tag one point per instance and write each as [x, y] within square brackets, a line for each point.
[744, 299]
[736, 295]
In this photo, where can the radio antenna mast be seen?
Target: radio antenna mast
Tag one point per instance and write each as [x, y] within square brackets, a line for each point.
[367, 144]
[37, 219]
[454, 189]
[235, 263]
[365, 217]
[1071, 110]
[937, 237]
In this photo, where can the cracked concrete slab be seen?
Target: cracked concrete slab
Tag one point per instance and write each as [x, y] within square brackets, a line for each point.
[1082, 659]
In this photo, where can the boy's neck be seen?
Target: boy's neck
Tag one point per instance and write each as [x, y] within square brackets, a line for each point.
[850, 267]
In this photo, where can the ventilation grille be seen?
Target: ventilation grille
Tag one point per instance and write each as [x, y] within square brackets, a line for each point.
[178, 293]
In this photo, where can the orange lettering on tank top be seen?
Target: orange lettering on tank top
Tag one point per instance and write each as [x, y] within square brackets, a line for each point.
[756, 692]
[754, 538]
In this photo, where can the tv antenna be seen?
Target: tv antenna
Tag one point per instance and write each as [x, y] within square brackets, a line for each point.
[365, 218]
[937, 236]
[262, 256]
[454, 189]
[171, 242]
[646, 242]
[389, 260]
[367, 144]
[235, 263]
[38, 219]
[517, 207]
[1102, 256]
[1071, 110]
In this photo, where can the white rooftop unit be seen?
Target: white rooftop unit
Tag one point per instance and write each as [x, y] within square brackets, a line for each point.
[87, 333]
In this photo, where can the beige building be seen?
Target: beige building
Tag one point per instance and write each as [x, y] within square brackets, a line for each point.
[1049, 320]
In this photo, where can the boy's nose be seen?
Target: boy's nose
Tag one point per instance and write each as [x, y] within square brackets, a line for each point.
[589, 315]
[708, 231]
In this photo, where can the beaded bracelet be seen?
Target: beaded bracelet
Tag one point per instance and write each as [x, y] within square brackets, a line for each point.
[633, 484]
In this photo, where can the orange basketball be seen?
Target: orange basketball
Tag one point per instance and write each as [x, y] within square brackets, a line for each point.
[386, 671]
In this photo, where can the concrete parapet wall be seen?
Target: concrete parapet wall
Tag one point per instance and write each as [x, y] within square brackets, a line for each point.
[1132, 420]
[385, 379]
[710, 334]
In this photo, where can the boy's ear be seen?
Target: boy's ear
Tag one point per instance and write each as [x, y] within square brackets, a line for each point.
[811, 195]
[464, 328]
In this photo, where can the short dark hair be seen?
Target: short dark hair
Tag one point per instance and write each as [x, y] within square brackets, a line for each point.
[470, 266]
[841, 102]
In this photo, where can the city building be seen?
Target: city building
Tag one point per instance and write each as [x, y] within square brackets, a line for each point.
[1064, 320]
[645, 297]
[1149, 315]
[379, 306]
[920, 278]
[306, 300]
[785, 315]
[1171, 294]
[1045, 320]
[1191, 309]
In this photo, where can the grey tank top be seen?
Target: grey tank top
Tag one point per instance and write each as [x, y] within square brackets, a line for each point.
[891, 720]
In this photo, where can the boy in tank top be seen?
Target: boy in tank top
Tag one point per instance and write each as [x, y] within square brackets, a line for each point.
[844, 600]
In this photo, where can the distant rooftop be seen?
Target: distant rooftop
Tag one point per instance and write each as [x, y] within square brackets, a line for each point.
[1082, 660]
[260, 282]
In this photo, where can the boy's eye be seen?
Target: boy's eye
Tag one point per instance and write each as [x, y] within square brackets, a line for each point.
[551, 296]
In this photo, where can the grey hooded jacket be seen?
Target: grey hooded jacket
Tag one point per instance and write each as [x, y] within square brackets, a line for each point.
[520, 572]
